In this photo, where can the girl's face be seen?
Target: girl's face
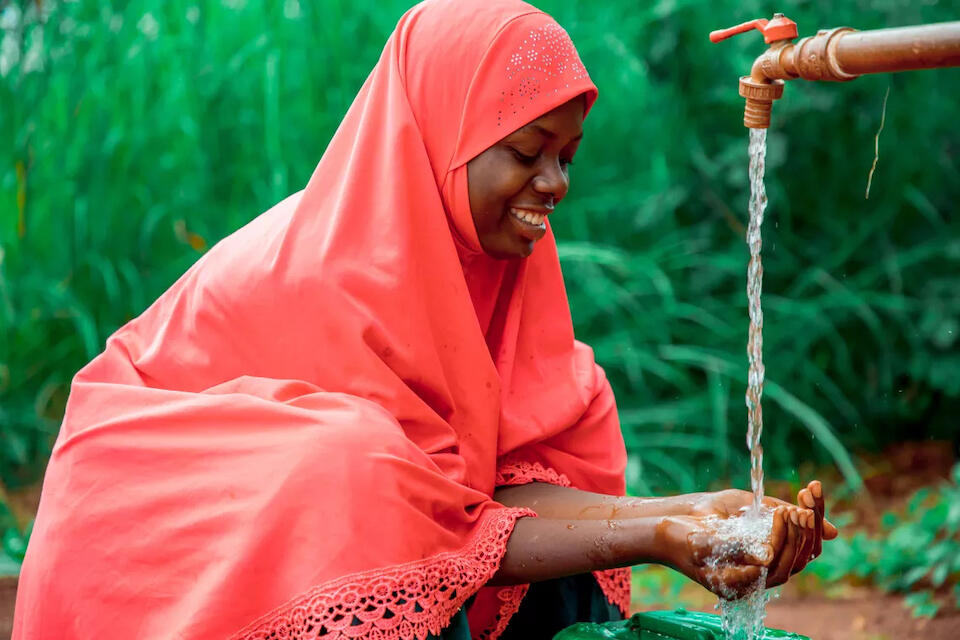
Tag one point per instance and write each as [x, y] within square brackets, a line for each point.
[515, 183]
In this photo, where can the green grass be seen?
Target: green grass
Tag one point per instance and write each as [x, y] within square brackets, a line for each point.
[136, 138]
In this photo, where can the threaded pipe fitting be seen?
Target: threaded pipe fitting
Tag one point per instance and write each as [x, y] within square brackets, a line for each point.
[760, 97]
[756, 113]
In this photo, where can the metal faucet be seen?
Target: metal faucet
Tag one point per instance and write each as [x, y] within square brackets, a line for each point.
[837, 55]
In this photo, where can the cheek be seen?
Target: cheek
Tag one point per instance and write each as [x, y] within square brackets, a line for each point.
[493, 181]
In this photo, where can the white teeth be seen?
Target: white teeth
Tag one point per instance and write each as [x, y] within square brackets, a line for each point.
[536, 219]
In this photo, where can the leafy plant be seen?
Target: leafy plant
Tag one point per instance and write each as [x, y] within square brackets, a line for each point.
[917, 553]
[13, 540]
[140, 133]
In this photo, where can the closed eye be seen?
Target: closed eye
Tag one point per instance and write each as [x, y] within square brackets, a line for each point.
[525, 159]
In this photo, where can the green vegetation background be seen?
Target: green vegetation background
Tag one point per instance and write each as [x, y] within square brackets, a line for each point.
[137, 134]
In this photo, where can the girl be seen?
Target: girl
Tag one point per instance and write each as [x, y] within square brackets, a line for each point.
[365, 414]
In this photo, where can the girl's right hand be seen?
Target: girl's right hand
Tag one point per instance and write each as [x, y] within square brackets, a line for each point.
[691, 541]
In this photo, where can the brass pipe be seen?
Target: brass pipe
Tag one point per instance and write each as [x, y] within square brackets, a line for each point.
[842, 54]
[903, 49]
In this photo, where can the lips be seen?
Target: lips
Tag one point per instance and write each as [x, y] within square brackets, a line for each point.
[529, 223]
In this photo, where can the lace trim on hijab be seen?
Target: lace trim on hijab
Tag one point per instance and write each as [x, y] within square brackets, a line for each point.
[516, 472]
[615, 583]
[397, 603]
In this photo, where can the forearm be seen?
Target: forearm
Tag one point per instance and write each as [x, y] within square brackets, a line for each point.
[565, 503]
[543, 549]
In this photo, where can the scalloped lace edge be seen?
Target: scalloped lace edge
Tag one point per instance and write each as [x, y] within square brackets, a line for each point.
[520, 472]
[615, 583]
[400, 602]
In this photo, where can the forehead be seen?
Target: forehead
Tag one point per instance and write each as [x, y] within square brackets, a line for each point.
[564, 122]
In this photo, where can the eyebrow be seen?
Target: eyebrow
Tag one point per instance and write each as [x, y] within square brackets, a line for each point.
[547, 133]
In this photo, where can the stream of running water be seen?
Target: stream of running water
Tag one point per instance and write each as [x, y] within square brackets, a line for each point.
[743, 617]
[758, 202]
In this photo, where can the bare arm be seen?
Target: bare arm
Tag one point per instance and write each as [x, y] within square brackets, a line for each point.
[543, 549]
[564, 503]
[579, 531]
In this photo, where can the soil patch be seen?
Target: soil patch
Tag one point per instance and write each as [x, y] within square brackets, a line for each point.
[868, 617]
[8, 597]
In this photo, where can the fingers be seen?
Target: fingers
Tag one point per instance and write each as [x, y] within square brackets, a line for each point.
[806, 498]
[780, 570]
[829, 531]
[702, 546]
[778, 535]
[732, 582]
[740, 555]
[815, 493]
[808, 537]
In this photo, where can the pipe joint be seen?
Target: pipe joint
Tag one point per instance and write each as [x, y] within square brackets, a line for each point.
[815, 57]
[760, 97]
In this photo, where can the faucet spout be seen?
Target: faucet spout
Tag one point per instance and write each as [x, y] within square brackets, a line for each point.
[840, 55]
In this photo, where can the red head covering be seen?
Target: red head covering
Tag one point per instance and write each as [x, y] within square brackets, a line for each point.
[305, 431]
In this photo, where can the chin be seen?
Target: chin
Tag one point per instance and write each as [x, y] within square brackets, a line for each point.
[511, 249]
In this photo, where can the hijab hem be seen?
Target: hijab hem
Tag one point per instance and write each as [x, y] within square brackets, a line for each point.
[421, 596]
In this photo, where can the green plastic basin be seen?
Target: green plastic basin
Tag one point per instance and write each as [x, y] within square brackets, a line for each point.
[678, 624]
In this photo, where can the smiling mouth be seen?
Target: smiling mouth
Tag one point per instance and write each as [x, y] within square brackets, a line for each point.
[529, 217]
[531, 225]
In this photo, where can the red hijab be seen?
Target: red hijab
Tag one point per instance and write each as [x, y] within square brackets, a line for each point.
[303, 434]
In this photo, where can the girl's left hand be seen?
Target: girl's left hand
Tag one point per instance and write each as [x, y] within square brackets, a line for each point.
[808, 517]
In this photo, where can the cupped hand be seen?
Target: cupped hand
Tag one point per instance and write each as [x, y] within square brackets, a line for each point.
[732, 502]
[795, 538]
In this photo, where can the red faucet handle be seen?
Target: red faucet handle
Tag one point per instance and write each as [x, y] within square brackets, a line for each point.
[779, 28]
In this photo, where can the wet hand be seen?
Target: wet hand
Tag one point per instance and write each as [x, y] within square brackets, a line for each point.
[811, 498]
[733, 502]
[795, 538]
[692, 545]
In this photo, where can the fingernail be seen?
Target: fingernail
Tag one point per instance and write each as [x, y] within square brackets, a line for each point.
[816, 489]
[795, 517]
[807, 499]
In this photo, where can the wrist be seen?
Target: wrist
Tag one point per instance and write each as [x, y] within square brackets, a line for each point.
[671, 541]
[684, 504]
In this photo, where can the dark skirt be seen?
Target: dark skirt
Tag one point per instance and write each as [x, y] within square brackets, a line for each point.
[548, 608]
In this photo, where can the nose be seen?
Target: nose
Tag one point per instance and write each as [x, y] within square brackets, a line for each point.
[552, 180]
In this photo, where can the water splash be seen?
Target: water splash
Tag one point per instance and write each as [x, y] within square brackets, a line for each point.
[758, 202]
[742, 616]
[743, 619]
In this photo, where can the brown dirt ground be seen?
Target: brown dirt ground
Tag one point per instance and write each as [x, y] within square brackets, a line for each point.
[866, 617]
[841, 612]
[8, 596]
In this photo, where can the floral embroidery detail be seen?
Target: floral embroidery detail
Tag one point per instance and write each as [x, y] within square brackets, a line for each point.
[615, 584]
[401, 602]
[519, 472]
[545, 56]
